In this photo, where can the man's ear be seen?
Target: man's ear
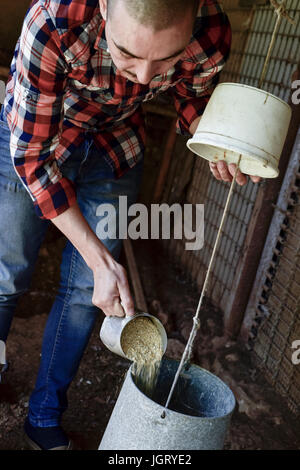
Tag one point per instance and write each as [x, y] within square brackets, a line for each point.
[103, 8]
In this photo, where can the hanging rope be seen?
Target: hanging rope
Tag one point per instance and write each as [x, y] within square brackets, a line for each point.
[280, 10]
[189, 347]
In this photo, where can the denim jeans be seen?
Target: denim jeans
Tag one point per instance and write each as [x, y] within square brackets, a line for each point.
[72, 315]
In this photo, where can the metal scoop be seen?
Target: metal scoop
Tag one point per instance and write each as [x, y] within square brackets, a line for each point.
[112, 329]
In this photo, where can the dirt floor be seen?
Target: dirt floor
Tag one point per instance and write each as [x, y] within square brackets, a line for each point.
[260, 421]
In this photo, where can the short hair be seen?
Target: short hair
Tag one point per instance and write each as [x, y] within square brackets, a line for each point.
[158, 13]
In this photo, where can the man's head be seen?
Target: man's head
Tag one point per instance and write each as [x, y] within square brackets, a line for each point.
[147, 37]
[158, 14]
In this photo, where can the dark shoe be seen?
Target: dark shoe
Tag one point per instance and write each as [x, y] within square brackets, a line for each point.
[53, 438]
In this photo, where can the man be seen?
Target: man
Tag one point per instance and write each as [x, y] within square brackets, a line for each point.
[72, 138]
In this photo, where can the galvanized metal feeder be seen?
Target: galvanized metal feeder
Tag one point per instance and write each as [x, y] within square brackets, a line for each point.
[204, 407]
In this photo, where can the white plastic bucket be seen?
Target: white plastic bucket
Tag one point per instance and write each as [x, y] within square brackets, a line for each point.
[242, 120]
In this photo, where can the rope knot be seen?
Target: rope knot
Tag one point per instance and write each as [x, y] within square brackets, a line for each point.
[196, 323]
[280, 10]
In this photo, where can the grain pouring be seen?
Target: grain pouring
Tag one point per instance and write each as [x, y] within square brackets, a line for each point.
[142, 343]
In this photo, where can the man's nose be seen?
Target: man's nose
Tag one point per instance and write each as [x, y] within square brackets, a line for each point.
[145, 73]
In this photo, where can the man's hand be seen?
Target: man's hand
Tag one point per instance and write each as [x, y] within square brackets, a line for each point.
[111, 288]
[224, 172]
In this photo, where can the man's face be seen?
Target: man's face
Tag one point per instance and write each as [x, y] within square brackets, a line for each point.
[139, 52]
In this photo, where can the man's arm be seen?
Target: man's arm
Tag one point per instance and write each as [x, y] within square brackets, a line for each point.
[34, 119]
[110, 280]
[194, 125]
[35, 113]
[205, 57]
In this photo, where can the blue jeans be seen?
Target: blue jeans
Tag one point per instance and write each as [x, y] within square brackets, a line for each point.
[73, 315]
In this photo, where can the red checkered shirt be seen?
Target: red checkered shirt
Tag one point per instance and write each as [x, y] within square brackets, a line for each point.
[63, 84]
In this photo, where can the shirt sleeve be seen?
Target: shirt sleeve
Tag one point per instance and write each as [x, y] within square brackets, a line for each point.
[205, 57]
[35, 117]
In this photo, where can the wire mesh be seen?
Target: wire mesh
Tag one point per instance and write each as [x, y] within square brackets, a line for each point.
[285, 54]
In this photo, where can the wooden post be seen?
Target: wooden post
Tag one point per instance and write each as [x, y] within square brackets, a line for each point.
[165, 163]
[140, 300]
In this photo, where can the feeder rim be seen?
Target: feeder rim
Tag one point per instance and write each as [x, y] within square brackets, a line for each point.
[256, 89]
[207, 418]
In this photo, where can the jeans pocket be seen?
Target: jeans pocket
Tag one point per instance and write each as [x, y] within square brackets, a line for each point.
[7, 170]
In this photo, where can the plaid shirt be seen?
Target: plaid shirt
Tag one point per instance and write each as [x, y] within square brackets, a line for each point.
[63, 84]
